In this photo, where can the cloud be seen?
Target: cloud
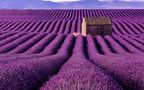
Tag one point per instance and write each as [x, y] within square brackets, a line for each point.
[105, 0]
[62, 0]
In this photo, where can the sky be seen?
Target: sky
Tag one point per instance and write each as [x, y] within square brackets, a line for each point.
[71, 4]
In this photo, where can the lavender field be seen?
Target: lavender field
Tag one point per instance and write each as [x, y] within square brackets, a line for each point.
[39, 52]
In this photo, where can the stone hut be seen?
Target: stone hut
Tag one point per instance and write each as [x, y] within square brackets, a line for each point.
[96, 26]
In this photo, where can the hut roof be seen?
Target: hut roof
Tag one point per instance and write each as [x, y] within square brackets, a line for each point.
[97, 21]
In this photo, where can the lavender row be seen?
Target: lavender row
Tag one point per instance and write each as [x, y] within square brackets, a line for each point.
[31, 73]
[78, 73]
[108, 71]
[67, 27]
[127, 69]
[24, 43]
[54, 48]
[67, 14]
